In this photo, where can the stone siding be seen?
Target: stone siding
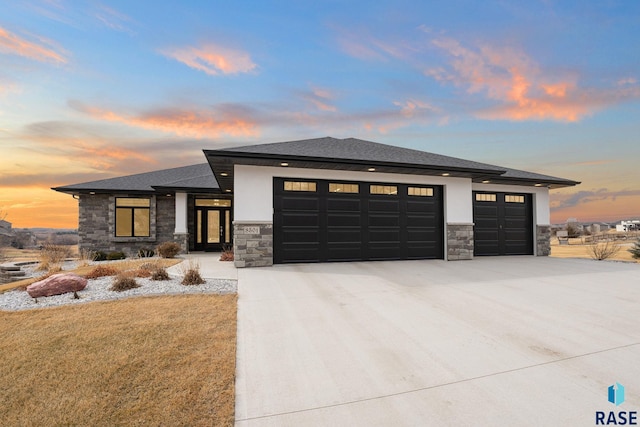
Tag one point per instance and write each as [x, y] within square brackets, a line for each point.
[96, 227]
[253, 244]
[543, 240]
[459, 242]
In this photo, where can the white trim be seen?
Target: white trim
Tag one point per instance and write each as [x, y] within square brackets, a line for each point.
[181, 213]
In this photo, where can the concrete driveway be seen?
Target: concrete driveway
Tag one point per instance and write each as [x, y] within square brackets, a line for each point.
[493, 341]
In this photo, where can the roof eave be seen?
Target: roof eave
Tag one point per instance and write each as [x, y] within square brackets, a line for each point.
[552, 184]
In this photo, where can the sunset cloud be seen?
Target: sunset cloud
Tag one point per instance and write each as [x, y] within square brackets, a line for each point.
[412, 107]
[41, 50]
[224, 120]
[212, 59]
[521, 90]
[113, 19]
[321, 99]
[597, 204]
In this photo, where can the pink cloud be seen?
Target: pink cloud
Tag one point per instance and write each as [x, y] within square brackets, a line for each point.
[212, 59]
[320, 98]
[44, 52]
[187, 123]
[521, 89]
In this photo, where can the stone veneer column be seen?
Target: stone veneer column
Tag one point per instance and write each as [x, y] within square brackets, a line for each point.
[459, 242]
[252, 244]
[543, 240]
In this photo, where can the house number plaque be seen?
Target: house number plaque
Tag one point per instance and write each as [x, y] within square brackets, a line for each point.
[251, 230]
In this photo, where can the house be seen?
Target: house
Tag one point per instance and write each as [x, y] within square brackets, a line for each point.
[624, 226]
[323, 200]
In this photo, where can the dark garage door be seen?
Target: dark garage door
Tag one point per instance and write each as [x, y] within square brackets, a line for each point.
[323, 221]
[503, 224]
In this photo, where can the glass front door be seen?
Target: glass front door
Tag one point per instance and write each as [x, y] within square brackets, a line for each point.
[213, 228]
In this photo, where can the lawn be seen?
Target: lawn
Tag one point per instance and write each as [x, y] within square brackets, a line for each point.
[584, 251]
[141, 361]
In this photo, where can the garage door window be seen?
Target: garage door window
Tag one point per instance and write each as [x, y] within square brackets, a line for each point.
[343, 188]
[299, 186]
[389, 190]
[485, 197]
[510, 198]
[420, 191]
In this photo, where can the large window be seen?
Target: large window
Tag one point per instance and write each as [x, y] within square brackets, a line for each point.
[132, 217]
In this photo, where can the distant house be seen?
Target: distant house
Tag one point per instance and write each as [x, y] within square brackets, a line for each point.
[322, 200]
[624, 226]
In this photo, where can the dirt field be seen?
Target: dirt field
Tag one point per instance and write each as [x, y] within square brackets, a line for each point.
[577, 250]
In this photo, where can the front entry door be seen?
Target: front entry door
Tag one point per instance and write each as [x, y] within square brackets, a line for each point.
[213, 228]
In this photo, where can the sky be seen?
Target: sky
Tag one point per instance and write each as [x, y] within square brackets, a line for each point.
[97, 89]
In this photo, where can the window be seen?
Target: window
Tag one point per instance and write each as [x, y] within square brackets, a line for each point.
[213, 202]
[390, 190]
[510, 198]
[420, 191]
[132, 217]
[485, 197]
[299, 186]
[343, 188]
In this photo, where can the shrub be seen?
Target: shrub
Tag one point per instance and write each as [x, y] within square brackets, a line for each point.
[168, 249]
[160, 273]
[100, 256]
[145, 253]
[102, 271]
[635, 250]
[573, 230]
[192, 274]
[124, 282]
[86, 256]
[227, 254]
[602, 251]
[115, 255]
[143, 271]
[51, 256]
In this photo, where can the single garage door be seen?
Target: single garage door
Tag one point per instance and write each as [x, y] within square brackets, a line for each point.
[324, 221]
[503, 224]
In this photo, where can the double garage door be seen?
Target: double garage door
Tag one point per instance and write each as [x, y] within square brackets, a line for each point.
[503, 224]
[323, 221]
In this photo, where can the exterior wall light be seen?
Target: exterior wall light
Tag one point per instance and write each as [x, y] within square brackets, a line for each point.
[446, 174]
[224, 174]
[371, 169]
[284, 164]
[486, 181]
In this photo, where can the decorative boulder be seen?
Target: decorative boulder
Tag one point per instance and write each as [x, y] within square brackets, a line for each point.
[57, 284]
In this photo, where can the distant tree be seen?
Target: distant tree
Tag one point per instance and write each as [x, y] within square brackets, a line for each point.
[635, 250]
[573, 230]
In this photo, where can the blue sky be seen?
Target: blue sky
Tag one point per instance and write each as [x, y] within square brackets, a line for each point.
[91, 89]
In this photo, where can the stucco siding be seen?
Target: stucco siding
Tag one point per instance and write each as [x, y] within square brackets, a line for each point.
[253, 189]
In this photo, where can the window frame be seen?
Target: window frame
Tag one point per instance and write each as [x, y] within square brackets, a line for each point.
[132, 213]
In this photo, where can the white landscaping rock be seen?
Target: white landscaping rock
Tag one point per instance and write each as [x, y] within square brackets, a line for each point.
[98, 289]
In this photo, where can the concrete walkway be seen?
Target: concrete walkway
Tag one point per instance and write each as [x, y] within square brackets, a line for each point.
[494, 341]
